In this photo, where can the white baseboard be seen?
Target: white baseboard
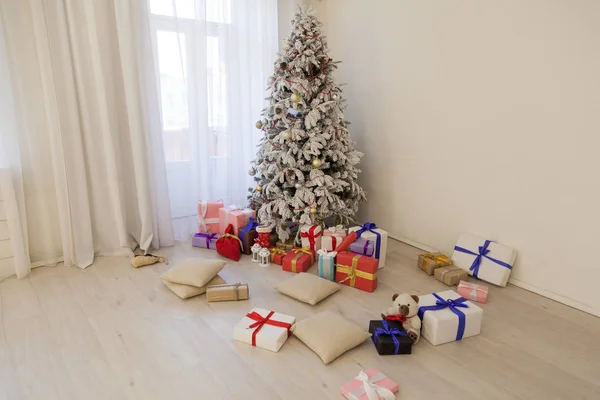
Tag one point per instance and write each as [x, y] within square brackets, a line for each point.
[518, 283]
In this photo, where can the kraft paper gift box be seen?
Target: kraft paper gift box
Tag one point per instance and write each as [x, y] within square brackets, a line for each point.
[429, 262]
[446, 317]
[298, 260]
[389, 338]
[450, 275]
[370, 231]
[248, 234]
[311, 236]
[363, 247]
[208, 216]
[205, 240]
[484, 259]
[237, 216]
[473, 291]
[287, 245]
[277, 255]
[233, 292]
[338, 230]
[264, 328]
[329, 243]
[370, 384]
[356, 271]
[327, 264]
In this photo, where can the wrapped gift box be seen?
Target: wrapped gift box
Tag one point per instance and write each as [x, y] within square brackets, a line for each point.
[298, 260]
[338, 230]
[277, 255]
[287, 245]
[363, 247]
[356, 271]
[208, 216]
[450, 275]
[234, 292]
[389, 338]
[448, 317]
[205, 240]
[370, 381]
[348, 240]
[248, 234]
[236, 216]
[263, 328]
[311, 236]
[370, 231]
[429, 262]
[472, 291]
[329, 243]
[327, 264]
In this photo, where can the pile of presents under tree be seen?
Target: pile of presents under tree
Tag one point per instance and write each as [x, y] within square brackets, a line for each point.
[353, 257]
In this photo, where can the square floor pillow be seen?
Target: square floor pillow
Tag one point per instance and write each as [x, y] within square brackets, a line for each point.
[229, 245]
[194, 271]
[187, 291]
[307, 288]
[329, 334]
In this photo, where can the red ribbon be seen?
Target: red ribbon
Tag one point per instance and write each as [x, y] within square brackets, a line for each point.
[261, 321]
[311, 236]
[397, 317]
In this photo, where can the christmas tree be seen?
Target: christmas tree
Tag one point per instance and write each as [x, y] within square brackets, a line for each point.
[306, 166]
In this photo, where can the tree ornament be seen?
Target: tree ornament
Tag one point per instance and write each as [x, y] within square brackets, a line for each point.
[271, 80]
[283, 65]
[252, 171]
[316, 163]
[295, 98]
[286, 45]
[259, 124]
[297, 185]
[258, 188]
[313, 211]
[334, 96]
[278, 110]
[287, 135]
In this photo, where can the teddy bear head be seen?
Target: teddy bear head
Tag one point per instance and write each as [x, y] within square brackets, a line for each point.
[407, 305]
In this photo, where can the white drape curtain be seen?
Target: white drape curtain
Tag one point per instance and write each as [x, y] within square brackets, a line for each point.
[213, 58]
[84, 150]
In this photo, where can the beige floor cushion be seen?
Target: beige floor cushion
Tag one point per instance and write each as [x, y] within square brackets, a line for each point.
[329, 334]
[187, 291]
[194, 271]
[307, 288]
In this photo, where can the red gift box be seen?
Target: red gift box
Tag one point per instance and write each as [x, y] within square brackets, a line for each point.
[298, 260]
[348, 240]
[356, 271]
[277, 255]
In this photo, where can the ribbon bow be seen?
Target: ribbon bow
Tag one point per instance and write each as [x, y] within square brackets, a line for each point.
[440, 259]
[453, 305]
[336, 229]
[311, 236]
[372, 390]
[393, 332]
[370, 227]
[276, 250]
[209, 237]
[483, 251]
[323, 252]
[398, 317]
[252, 224]
[262, 321]
[202, 220]
[353, 272]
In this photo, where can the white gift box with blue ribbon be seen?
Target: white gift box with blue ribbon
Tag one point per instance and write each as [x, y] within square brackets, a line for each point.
[484, 259]
[447, 317]
[370, 231]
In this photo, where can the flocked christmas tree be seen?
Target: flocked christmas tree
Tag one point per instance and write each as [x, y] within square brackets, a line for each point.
[306, 167]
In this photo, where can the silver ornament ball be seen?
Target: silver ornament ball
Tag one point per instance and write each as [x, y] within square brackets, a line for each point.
[271, 79]
[252, 171]
[297, 186]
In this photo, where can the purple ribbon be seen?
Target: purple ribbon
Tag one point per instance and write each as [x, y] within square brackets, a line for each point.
[483, 251]
[454, 306]
[393, 332]
[370, 226]
[209, 237]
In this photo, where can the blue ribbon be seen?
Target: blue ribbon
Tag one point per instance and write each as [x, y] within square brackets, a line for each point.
[370, 226]
[454, 306]
[393, 332]
[252, 224]
[483, 251]
[209, 237]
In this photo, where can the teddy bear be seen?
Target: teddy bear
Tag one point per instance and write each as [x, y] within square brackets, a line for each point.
[404, 309]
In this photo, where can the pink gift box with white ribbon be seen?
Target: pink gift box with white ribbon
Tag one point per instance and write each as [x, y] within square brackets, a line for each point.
[237, 216]
[208, 216]
[370, 385]
[473, 291]
[338, 230]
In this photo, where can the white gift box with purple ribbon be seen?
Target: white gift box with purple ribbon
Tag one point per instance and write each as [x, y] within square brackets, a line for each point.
[205, 240]
[370, 231]
[447, 317]
[484, 259]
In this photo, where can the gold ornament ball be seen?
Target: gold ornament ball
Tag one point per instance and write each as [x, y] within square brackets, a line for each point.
[313, 211]
[286, 45]
[258, 188]
[295, 98]
[316, 163]
[287, 135]
[259, 124]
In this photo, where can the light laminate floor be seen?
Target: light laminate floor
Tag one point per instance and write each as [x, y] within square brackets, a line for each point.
[114, 332]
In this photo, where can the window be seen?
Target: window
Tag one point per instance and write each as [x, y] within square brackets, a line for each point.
[190, 38]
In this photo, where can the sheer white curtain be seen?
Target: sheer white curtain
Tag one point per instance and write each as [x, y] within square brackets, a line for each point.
[85, 154]
[213, 58]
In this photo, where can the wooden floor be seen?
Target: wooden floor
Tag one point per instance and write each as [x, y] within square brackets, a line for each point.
[114, 332]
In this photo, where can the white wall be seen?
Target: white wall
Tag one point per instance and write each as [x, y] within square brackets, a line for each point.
[482, 117]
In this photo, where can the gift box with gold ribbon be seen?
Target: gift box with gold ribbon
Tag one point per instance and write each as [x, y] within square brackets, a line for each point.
[298, 260]
[429, 262]
[287, 245]
[277, 255]
[356, 271]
